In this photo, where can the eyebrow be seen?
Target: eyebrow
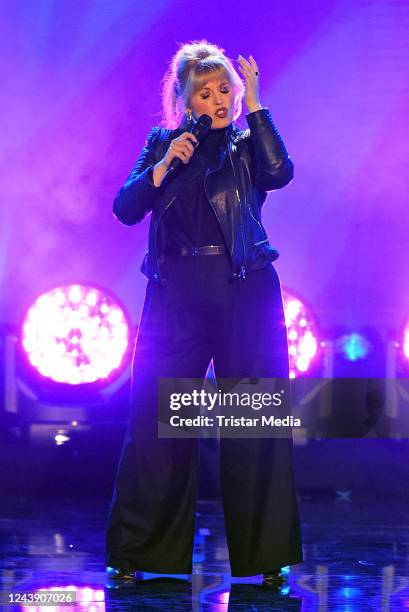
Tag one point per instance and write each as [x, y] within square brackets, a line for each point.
[221, 84]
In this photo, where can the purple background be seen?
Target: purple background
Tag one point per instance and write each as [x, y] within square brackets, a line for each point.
[80, 91]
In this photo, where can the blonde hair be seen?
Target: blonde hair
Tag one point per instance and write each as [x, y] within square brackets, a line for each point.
[190, 67]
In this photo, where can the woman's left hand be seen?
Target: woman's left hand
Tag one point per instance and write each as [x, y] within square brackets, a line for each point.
[251, 95]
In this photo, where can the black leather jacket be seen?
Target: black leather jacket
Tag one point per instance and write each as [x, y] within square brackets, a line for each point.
[252, 162]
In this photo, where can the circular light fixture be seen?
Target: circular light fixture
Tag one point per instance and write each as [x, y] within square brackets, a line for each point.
[301, 333]
[75, 334]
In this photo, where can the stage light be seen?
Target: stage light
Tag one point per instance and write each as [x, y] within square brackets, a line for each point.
[61, 438]
[406, 340]
[357, 352]
[354, 346]
[75, 334]
[402, 350]
[86, 597]
[301, 334]
[349, 592]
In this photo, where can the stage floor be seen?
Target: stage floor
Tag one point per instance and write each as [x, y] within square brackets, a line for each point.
[356, 558]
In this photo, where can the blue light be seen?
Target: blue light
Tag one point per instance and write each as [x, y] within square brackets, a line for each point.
[354, 346]
[348, 577]
[349, 592]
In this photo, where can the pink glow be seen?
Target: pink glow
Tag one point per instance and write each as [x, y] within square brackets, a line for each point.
[301, 334]
[406, 341]
[75, 334]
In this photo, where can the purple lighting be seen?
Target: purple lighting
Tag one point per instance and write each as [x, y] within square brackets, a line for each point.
[75, 334]
[301, 334]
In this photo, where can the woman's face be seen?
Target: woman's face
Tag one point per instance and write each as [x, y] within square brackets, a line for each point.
[216, 99]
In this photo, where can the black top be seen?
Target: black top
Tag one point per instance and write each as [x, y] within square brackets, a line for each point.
[190, 220]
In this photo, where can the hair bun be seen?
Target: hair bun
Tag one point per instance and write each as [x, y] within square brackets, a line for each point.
[203, 54]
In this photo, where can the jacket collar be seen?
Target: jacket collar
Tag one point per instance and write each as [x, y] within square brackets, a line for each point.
[232, 130]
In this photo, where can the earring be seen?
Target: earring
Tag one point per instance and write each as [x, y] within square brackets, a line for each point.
[189, 116]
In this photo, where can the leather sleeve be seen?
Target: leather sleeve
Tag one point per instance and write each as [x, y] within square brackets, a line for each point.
[273, 166]
[134, 200]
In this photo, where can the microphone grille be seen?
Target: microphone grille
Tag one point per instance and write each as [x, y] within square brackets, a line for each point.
[202, 126]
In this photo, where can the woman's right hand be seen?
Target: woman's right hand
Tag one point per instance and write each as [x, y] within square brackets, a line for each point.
[181, 147]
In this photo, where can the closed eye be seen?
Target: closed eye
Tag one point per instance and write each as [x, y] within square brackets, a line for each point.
[225, 91]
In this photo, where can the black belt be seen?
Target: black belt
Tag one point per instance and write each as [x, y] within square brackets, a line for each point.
[210, 249]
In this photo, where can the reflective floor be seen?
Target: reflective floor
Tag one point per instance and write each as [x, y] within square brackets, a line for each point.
[356, 558]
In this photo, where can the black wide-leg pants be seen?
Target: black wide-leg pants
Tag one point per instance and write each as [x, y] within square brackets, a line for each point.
[196, 316]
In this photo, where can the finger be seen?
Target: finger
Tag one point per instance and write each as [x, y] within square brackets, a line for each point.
[244, 62]
[253, 63]
[188, 136]
[249, 74]
[251, 68]
[246, 69]
[178, 146]
[189, 145]
[182, 156]
[187, 149]
[182, 147]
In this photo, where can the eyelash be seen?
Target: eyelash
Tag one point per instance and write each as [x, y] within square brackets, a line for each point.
[224, 92]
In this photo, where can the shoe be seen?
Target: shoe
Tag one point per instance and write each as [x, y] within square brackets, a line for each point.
[117, 573]
[274, 578]
[121, 576]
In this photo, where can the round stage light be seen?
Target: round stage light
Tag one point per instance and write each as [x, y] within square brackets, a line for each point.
[75, 334]
[301, 333]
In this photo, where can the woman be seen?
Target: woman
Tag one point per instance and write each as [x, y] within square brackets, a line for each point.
[212, 293]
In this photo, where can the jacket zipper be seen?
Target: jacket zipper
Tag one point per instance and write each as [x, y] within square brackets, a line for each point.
[263, 231]
[259, 224]
[155, 246]
[260, 242]
[242, 267]
[218, 220]
[165, 209]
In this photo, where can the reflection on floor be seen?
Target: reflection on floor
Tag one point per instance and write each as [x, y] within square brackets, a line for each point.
[356, 558]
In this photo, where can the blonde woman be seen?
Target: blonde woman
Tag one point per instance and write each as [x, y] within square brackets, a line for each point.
[212, 294]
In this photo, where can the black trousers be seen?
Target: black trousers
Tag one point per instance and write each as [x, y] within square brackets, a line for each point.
[196, 316]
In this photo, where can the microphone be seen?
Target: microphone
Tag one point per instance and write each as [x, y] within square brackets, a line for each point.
[199, 129]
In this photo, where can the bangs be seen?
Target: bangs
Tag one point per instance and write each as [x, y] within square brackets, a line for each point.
[207, 71]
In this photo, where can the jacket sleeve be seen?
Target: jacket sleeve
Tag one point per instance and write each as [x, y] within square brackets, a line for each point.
[134, 200]
[273, 166]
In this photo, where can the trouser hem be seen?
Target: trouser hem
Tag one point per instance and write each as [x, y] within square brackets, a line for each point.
[146, 567]
[263, 570]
